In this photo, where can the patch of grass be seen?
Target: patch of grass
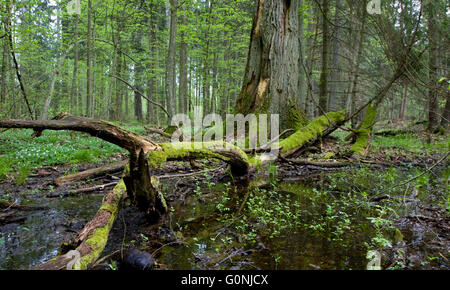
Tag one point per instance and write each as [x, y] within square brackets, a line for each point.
[22, 175]
[19, 151]
[412, 143]
[5, 166]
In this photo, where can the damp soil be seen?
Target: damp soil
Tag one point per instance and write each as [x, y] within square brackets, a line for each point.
[195, 234]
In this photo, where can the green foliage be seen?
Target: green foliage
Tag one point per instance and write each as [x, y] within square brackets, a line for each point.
[411, 143]
[5, 166]
[23, 153]
[22, 175]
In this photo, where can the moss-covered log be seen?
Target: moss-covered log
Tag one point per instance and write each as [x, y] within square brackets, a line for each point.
[91, 241]
[363, 134]
[144, 154]
[224, 151]
[312, 132]
[97, 128]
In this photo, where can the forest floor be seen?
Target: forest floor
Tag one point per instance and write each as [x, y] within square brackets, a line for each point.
[284, 217]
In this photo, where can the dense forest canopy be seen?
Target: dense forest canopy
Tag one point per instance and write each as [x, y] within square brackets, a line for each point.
[193, 53]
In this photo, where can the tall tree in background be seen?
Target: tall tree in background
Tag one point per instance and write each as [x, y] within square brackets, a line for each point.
[89, 63]
[271, 76]
[182, 95]
[433, 51]
[74, 86]
[323, 85]
[171, 69]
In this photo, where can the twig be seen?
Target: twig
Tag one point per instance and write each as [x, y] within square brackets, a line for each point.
[423, 173]
[141, 94]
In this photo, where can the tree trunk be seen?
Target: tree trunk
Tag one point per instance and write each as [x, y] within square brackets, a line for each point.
[117, 104]
[183, 67]
[4, 71]
[404, 102]
[356, 67]
[171, 61]
[271, 76]
[88, 54]
[138, 71]
[323, 84]
[74, 89]
[335, 74]
[302, 86]
[433, 50]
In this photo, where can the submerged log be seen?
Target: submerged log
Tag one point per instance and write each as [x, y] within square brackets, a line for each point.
[91, 241]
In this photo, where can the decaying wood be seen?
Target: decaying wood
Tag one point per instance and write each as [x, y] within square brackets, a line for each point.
[7, 205]
[83, 190]
[97, 128]
[158, 131]
[95, 172]
[266, 147]
[91, 240]
[139, 183]
[317, 163]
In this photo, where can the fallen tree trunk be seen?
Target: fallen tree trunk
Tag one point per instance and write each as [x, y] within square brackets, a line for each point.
[95, 172]
[82, 190]
[311, 133]
[91, 241]
[7, 205]
[141, 187]
[318, 163]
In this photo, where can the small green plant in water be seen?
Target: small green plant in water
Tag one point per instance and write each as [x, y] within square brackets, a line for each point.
[22, 175]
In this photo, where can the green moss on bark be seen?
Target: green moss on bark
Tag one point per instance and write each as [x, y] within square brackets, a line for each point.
[191, 150]
[363, 134]
[311, 131]
[98, 238]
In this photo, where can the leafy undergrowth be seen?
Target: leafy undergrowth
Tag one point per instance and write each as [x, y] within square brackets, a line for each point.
[415, 143]
[21, 153]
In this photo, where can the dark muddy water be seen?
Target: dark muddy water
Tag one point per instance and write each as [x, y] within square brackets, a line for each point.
[302, 223]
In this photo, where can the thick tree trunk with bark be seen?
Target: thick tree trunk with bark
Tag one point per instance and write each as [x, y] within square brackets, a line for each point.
[271, 76]
[433, 102]
[138, 71]
[183, 107]
[74, 88]
[171, 61]
[88, 71]
[323, 84]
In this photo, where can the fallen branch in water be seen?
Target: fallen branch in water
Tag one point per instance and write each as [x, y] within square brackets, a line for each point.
[82, 190]
[423, 173]
[316, 163]
[6, 205]
[91, 241]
